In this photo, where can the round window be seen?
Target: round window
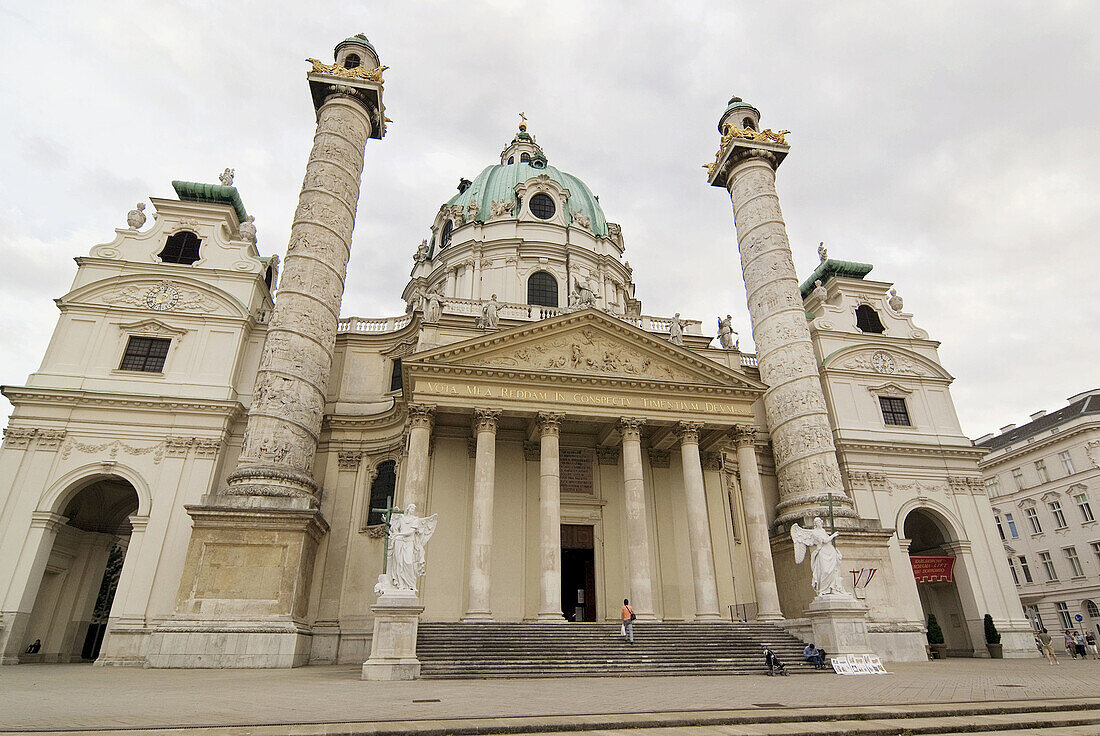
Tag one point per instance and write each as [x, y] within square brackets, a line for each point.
[542, 206]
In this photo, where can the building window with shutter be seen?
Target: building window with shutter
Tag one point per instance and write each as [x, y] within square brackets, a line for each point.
[1083, 504]
[1074, 562]
[1056, 512]
[1048, 566]
[1033, 520]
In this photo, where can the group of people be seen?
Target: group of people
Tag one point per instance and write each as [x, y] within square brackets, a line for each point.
[1078, 645]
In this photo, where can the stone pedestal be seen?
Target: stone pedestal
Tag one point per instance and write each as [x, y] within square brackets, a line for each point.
[393, 645]
[244, 592]
[839, 625]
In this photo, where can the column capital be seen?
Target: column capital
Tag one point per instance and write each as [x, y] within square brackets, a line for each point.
[743, 435]
[550, 423]
[421, 415]
[631, 427]
[688, 432]
[486, 420]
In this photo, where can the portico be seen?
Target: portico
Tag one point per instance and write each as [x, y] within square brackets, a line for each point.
[598, 408]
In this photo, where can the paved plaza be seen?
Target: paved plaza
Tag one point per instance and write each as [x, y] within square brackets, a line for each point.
[62, 697]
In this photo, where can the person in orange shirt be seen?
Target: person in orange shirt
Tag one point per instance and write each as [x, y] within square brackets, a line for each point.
[628, 620]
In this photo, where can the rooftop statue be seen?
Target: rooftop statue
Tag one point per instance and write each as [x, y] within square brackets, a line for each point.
[726, 333]
[226, 177]
[676, 330]
[135, 218]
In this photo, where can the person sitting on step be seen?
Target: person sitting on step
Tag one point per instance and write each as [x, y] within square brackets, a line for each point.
[814, 655]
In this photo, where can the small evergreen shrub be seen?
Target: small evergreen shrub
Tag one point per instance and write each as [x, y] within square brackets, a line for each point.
[992, 636]
[935, 634]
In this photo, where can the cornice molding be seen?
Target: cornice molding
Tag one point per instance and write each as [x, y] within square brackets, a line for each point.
[69, 397]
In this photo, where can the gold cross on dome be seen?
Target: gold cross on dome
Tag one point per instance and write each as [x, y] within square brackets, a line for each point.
[522, 121]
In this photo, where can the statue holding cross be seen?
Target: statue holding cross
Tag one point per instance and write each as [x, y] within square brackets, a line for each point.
[406, 537]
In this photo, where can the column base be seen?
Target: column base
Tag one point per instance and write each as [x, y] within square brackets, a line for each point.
[769, 617]
[477, 616]
[551, 618]
[839, 625]
[241, 645]
[393, 643]
[708, 617]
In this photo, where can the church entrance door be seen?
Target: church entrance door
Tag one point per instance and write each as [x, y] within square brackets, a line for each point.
[578, 572]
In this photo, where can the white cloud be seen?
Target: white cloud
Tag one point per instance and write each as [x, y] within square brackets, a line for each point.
[952, 146]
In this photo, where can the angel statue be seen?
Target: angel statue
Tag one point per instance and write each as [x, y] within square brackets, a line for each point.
[409, 534]
[824, 560]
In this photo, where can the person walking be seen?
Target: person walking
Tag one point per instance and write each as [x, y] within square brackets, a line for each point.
[628, 620]
[1046, 646]
[1069, 644]
[1090, 642]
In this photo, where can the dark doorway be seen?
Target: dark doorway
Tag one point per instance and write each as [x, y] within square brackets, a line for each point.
[578, 572]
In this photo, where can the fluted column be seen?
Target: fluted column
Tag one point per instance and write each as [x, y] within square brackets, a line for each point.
[284, 421]
[481, 524]
[415, 489]
[702, 557]
[641, 583]
[802, 438]
[549, 518]
[756, 525]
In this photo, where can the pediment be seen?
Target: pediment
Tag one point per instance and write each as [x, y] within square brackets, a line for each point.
[587, 343]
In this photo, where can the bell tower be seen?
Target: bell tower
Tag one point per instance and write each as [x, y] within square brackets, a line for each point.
[250, 558]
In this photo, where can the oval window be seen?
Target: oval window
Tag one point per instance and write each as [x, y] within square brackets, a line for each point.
[542, 206]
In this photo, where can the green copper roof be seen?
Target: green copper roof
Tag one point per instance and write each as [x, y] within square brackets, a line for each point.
[499, 182]
[190, 191]
[358, 38]
[830, 268]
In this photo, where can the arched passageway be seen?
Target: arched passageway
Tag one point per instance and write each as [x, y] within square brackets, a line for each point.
[78, 581]
[933, 548]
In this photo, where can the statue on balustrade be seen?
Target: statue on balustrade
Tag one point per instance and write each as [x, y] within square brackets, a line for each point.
[433, 307]
[726, 334]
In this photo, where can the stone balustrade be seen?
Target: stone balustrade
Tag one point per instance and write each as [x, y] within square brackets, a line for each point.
[505, 310]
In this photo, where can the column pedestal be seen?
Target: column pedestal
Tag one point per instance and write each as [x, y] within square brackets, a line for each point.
[244, 592]
[840, 625]
[393, 643]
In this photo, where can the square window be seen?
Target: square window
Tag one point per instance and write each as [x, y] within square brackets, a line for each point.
[894, 411]
[145, 354]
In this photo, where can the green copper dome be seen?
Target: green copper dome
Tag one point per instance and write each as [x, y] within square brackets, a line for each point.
[499, 182]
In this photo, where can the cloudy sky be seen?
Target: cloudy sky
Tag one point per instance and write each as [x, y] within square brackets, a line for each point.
[953, 145]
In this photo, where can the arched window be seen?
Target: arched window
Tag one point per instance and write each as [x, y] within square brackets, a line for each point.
[351, 61]
[748, 124]
[542, 206]
[511, 159]
[867, 320]
[542, 289]
[1091, 609]
[524, 157]
[183, 247]
[382, 491]
[269, 277]
[445, 236]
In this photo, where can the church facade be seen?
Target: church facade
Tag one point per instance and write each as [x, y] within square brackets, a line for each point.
[227, 455]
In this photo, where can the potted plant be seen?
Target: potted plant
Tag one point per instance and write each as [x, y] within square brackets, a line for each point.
[935, 638]
[992, 638]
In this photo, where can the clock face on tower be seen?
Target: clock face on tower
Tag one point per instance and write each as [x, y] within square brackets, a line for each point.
[162, 297]
[883, 363]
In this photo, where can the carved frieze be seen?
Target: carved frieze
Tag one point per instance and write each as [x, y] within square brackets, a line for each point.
[658, 458]
[608, 454]
[18, 437]
[882, 362]
[177, 446]
[112, 448]
[585, 351]
[349, 459]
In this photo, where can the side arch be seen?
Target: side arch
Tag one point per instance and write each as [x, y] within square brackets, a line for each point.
[949, 523]
[62, 490]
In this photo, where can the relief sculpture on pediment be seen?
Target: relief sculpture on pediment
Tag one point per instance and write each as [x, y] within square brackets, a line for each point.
[585, 352]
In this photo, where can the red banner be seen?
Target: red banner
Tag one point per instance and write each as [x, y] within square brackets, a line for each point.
[932, 568]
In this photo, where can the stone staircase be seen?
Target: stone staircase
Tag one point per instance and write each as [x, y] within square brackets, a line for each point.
[478, 650]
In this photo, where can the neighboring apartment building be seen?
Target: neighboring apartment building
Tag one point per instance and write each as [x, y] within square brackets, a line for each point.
[1043, 480]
